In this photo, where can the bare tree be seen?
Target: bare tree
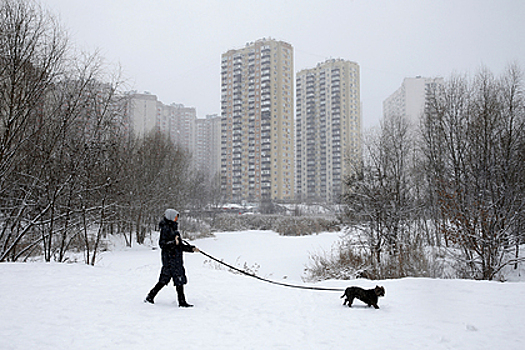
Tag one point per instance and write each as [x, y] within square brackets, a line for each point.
[381, 198]
[473, 131]
[70, 172]
[155, 174]
[58, 129]
[32, 51]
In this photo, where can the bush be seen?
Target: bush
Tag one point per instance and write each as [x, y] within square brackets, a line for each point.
[284, 225]
[341, 263]
[192, 228]
[352, 259]
[300, 226]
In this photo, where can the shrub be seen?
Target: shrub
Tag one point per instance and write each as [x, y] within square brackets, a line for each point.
[351, 259]
[284, 225]
[192, 228]
[300, 226]
[340, 263]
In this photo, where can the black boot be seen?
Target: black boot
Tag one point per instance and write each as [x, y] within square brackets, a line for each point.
[182, 298]
[152, 293]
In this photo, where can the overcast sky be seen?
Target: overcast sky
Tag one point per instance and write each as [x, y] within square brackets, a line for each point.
[173, 48]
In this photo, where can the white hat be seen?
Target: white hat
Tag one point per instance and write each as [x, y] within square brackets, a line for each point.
[171, 214]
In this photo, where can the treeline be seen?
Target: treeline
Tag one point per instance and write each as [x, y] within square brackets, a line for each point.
[71, 171]
[445, 198]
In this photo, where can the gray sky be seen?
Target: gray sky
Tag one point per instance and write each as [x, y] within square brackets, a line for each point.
[173, 48]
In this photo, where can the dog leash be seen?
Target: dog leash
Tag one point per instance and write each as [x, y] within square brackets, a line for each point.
[267, 280]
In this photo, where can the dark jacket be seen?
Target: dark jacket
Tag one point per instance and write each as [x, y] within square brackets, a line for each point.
[172, 262]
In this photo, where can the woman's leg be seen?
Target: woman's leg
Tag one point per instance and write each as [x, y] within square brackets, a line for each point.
[152, 293]
[181, 297]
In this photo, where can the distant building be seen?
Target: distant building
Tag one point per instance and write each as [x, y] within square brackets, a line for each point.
[201, 137]
[328, 128]
[409, 100]
[142, 111]
[257, 128]
[207, 150]
[178, 121]
[146, 113]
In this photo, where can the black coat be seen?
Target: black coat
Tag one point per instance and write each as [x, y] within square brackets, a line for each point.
[172, 262]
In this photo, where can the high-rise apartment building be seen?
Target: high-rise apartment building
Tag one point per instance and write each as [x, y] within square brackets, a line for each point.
[257, 126]
[207, 153]
[328, 128]
[146, 113]
[200, 136]
[409, 99]
[142, 112]
[178, 121]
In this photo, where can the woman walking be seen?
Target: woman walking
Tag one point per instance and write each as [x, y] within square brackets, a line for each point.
[172, 247]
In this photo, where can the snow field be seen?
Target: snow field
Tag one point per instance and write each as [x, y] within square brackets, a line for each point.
[73, 306]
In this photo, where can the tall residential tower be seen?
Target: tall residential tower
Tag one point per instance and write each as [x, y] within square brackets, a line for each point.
[146, 113]
[409, 99]
[207, 154]
[328, 128]
[257, 127]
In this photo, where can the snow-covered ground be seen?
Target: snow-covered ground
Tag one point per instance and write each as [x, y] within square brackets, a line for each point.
[74, 306]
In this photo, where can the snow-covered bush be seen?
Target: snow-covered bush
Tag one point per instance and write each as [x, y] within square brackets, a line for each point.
[284, 225]
[229, 222]
[304, 225]
[339, 263]
[353, 258]
[192, 228]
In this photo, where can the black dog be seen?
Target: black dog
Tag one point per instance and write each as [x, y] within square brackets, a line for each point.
[367, 296]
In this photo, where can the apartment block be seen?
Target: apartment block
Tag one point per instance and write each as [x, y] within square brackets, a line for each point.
[142, 112]
[409, 99]
[257, 126]
[207, 153]
[328, 129]
[146, 113]
[179, 122]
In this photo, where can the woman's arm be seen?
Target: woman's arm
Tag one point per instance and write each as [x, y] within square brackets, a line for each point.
[185, 246]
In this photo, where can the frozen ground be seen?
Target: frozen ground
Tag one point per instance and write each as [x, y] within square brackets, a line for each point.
[73, 306]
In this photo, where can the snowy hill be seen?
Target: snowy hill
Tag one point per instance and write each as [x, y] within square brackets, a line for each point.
[60, 306]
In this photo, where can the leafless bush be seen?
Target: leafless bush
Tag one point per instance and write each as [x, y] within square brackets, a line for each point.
[350, 259]
[284, 225]
[342, 262]
[192, 228]
[252, 269]
[301, 226]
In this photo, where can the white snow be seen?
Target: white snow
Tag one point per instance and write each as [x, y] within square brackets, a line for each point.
[74, 306]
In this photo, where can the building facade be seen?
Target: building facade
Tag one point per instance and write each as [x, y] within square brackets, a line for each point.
[142, 111]
[257, 126]
[328, 129]
[179, 122]
[147, 113]
[207, 153]
[409, 99]
[200, 136]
